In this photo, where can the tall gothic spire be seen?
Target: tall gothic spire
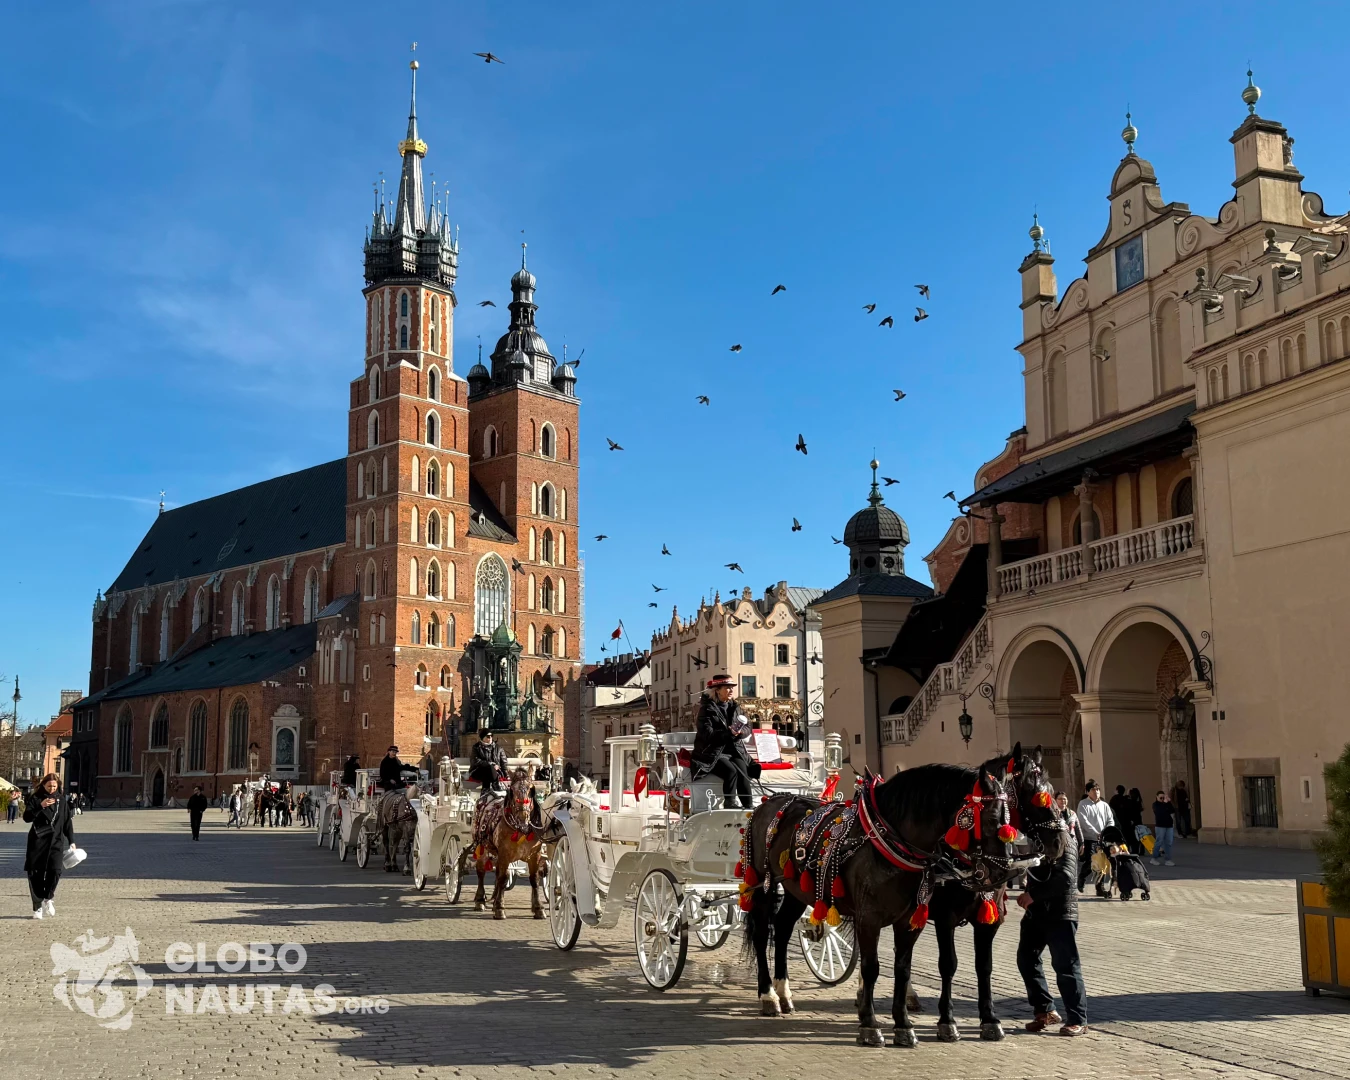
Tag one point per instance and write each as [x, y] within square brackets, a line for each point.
[410, 215]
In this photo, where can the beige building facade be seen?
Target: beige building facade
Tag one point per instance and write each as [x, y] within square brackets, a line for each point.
[1178, 593]
[614, 701]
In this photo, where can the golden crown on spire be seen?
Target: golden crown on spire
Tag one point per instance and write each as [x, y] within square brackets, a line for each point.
[416, 146]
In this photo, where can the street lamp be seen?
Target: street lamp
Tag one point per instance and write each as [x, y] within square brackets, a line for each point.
[14, 744]
[1178, 709]
[966, 723]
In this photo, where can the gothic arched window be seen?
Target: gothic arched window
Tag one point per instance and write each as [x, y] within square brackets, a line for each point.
[546, 446]
[237, 756]
[403, 305]
[403, 335]
[122, 741]
[273, 603]
[159, 728]
[431, 429]
[490, 594]
[433, 474]
[434, 376]
[311, 595]
[433, 529]
[199, 605]
[434, 579]
[196, 739]
[237, 608]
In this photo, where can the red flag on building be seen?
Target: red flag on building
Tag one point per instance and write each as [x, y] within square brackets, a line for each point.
[618, 633]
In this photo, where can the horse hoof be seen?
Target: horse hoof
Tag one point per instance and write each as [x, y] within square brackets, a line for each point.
[871, 1037]
[499, 915]
[479, 906]
[948, 1033]
[912, 1002]
[992, 1032]
[768, 1005]
[538, 914]
[389, 869]
[905, 1037]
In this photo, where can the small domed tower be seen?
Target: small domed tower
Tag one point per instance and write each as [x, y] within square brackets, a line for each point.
[876, 537]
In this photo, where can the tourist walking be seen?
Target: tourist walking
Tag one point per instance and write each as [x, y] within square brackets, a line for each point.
[51, 834]
[13, 810]
[1164, 830]
[139, 801]
[1181, 803]
[236, 810]
[196, 807]
[1051, 922]
[1094, 815]
[1128, 814]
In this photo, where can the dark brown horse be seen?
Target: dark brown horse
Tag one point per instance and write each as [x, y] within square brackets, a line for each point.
[877, 861]
[397, 823]
[505, 831]
[1031, 804]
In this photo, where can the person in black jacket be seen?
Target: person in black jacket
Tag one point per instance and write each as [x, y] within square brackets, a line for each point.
[349, 768]
[1050, 920]
[718, 750]
[391, 771]
[48, 840]
[487, 761]
[196, 807]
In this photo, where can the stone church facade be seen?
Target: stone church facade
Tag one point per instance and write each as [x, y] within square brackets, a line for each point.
[422, 586]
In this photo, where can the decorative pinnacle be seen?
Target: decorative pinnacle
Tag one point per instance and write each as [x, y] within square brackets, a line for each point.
[874, 497]
[523, 246]
[1036, 232]
[1251, 94]
[1129, 133]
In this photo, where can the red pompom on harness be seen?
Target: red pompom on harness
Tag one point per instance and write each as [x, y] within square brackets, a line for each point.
[919, 919]
[1008, 834]
[988, 913]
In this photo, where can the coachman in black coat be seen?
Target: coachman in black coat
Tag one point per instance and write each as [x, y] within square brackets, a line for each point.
[718, 750]
[51, 834]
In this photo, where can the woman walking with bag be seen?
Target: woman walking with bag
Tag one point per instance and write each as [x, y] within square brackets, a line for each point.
[48, 840]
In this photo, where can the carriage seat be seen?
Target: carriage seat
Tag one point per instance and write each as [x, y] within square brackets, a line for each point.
[700, 792]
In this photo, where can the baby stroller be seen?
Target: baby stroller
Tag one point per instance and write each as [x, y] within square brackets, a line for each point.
[1126, 867]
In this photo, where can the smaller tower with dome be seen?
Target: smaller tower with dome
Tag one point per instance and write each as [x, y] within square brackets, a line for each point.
[876, 536]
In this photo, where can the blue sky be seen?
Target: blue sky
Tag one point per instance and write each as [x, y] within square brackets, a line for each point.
[187, 185]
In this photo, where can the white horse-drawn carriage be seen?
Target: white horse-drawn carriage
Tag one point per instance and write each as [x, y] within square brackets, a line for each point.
[355, 820]
[328, 812]
[663, 841]
[444, 830]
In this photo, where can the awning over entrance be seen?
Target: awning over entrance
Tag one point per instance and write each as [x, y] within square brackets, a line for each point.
[1123, 450]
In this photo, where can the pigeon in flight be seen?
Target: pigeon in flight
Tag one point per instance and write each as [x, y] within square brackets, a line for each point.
[488, 58]
[652, 604]
[704, 400]
[658, 588]
[888, 481]
[777, 289]
[923, 290]
[836, 539]
[698, 661]
[486, 303]
[665, 550]
[921, 314]
[889, 320]
[899, 395]
[815, 658]
[796, 525]
[734, 621]
[735, 566]
[577, 361]
[869, 308]
[602, 536]
[612, 444]
[515, 565]
[735, 348]
[801, 443]
[950, 495]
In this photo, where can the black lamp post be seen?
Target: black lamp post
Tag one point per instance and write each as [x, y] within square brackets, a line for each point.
[966, 723]
[14, 745]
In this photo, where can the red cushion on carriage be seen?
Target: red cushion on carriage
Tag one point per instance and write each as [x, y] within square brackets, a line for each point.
[767, 765]
[685, 759]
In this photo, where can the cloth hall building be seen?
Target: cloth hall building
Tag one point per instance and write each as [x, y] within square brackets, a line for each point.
[1150, 581]
[421, 586]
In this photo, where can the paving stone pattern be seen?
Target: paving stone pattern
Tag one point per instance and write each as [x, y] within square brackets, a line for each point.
[1203, 981]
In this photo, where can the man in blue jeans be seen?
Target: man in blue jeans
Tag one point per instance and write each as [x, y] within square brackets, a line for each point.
[1050, 920]
[1164, 829]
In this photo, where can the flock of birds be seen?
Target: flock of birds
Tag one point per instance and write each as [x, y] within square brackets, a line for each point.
[888, 322]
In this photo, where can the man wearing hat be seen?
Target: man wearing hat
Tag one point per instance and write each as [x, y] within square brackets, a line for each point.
[391, 771]
[718, 749]
[487, 760]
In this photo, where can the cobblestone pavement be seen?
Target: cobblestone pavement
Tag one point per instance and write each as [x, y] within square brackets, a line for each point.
[1201, 982]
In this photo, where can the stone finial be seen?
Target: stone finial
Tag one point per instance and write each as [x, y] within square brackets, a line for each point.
[1036, 233]
[1129, 133]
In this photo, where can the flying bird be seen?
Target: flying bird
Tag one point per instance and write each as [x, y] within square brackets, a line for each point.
[921, 314]
[488, 58]
[703, 399]
[486, 303]
[1129, 586]
[777, 289]
[899, 395]
[658, 588]
[653, 604]
[923, 290]
[889, 320]
[801, 443]
[734, 566]
[515, 565]
[836, 539]
[888, 481]
[815, 658]
[698, 661]
[735, 348]
[869, 308]
[602, 536]
[612, 444]
[796, 525]
[665, 550]
[577, 361]
[950, 495]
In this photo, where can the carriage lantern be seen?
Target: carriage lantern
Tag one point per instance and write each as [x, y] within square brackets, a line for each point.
[647, 744]
[966, 723]
[1179, 710]
[834, 753]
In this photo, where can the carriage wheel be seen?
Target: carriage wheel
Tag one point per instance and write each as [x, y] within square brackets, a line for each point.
[319, 836]
[342, 846]
[363, 848]
[715, 926]
[419, 875]
[454, 871]
[660, 932]
[335, 830]
[829, 951]
[560, 894]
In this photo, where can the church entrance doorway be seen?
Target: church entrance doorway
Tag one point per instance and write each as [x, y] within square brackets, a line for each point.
[157, 788]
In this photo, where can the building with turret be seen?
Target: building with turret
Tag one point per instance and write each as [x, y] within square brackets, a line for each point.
[421, 586]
